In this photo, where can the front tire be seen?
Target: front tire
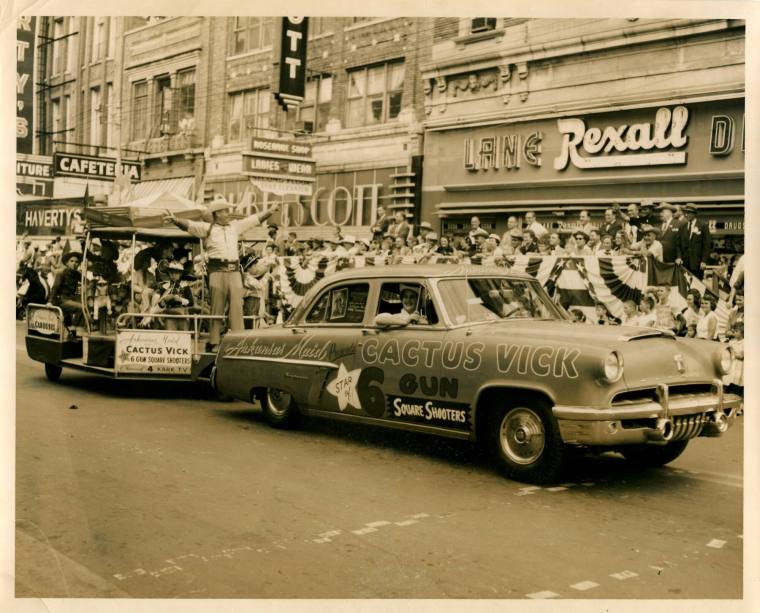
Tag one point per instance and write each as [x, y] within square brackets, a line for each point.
[654, 456]
[53, 372]
[280, 410]
[525, 441]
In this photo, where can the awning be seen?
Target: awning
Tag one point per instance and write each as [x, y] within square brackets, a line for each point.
[181, 186]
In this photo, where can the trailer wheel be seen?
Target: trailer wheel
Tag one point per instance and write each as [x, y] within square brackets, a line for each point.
[53, 372]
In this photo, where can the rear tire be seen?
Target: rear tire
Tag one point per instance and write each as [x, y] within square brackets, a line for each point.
[53, 372]
[280, 410]
[653, 456]
[524, 439]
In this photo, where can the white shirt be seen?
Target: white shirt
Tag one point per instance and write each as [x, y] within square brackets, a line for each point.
[654, 249]
[222, 241]
[538, 229]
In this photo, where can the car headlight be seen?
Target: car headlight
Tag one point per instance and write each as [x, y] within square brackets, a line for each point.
[613, 367]
[725, 360]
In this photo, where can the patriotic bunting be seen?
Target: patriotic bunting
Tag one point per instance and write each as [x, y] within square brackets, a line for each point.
[577, 282]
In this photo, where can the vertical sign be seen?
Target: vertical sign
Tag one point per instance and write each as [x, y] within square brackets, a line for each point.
[25, 84]
[289, 90]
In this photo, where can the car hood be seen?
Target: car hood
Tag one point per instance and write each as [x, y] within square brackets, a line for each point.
[650, 356]
[570, 333]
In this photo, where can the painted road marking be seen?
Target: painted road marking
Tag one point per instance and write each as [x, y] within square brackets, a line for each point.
[559, 488]
[626, 574]
[544, 594]
[716, 544]
[584, 585]
[407, 522]
[420, 516]
[377, 524]
[363, 531]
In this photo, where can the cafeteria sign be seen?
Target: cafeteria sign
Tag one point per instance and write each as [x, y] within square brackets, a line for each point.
[153, 352]
[87, 166]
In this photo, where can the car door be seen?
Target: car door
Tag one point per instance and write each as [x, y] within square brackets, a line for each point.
[327, 342]
[409, 374]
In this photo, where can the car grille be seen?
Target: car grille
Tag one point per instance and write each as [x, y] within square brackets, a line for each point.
[688, 426]
[650, 394]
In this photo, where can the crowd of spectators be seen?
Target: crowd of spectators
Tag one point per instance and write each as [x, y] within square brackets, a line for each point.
[170, 278]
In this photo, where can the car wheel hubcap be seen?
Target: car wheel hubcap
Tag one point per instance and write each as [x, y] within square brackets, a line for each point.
[521, 436]
[279, 401]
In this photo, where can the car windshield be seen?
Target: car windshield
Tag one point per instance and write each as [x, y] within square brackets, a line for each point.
[493, 299]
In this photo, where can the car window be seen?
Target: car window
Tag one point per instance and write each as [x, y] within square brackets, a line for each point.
[391, 301]
[491, 299]
[340, 304]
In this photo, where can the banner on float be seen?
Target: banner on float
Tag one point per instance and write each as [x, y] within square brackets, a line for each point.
[153, 352]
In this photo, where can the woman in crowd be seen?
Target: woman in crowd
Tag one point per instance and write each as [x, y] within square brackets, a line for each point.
[691, 312]
[707, 324]
[646, 316]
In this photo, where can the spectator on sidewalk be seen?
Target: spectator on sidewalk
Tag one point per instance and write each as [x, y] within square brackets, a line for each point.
[695, 242]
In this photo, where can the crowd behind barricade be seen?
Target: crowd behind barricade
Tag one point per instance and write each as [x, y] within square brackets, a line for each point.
[171, 277]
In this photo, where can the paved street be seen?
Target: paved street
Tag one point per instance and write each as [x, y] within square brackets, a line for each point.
[138, 491]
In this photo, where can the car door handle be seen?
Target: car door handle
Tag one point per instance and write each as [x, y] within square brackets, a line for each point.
[299, 331]
[370, 331]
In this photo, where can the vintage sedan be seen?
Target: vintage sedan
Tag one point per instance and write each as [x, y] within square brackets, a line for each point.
[481, 354]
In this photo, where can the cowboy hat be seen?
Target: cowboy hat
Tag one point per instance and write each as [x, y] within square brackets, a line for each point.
[650, 230]
[71, 254]
[516, 234]
[495, 237]
[426, 225]
[665, 205]
[690, 208]
[219, 203]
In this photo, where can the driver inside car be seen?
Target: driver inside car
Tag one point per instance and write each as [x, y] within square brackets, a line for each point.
[410, 305]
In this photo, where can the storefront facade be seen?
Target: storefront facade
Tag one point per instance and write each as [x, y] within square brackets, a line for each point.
[547, 130]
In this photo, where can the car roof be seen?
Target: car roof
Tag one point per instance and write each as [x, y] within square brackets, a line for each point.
[424, 271]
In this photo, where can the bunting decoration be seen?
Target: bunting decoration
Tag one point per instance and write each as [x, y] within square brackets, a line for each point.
[575, 282]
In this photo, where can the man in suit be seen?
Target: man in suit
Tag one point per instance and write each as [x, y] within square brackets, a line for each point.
[695, 242]
[669, 235]
[611, 224]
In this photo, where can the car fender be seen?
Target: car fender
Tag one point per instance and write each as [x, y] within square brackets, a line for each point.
[513, 385]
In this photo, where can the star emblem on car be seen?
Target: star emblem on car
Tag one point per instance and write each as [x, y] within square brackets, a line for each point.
[343, 387]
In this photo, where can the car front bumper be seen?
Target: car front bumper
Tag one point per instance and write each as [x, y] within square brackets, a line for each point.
[668, 418]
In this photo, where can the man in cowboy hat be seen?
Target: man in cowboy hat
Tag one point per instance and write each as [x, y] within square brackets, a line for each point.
[425, 228]
[175, 297]
[695, 242]
[669, 235]
[511, 247]
[221, 239]
[65, 292]
[648, 245]
[410, 305]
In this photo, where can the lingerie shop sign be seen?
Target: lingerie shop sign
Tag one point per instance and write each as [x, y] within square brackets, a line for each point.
[626, 145]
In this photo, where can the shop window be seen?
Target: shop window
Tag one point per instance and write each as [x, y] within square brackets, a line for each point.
[139, 110]
[482, 24]
[375, 94]
[250, 34]
[247, 112]
[60, 47]
[185, 107]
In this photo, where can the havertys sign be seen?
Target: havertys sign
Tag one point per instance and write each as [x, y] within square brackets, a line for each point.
[86, 166]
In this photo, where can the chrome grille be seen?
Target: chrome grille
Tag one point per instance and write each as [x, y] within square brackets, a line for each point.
[688, 426]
